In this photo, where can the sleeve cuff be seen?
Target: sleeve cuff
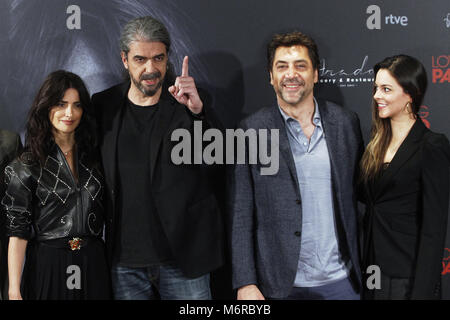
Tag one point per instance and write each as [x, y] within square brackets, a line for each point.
[199, 116]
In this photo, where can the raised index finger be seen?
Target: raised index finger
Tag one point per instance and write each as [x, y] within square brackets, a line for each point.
[185, 67]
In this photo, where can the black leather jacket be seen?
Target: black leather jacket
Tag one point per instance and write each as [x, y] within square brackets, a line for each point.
[46, 203]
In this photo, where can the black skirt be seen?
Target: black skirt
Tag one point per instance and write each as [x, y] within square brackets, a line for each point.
[53, 271]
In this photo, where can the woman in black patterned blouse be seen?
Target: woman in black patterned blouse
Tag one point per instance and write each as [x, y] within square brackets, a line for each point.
[53, 199]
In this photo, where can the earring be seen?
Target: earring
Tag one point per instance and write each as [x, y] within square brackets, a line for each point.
[408, 108]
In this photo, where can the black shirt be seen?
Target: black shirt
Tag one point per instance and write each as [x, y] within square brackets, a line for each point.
[142, 241]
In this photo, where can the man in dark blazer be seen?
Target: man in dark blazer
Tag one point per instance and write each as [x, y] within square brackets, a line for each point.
[10, 147]
[294, 233]
[164, 229]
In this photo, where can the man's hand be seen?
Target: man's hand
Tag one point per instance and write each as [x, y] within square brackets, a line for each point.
[249, 292]
[185, 91]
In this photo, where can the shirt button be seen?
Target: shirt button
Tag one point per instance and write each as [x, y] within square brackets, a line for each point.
[304, 143]
[297, 233]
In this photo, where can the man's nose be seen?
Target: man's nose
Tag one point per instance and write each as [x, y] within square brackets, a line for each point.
[291, 72]
[149, 67]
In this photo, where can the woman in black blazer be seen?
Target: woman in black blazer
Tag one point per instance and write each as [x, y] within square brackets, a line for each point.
[405, 185]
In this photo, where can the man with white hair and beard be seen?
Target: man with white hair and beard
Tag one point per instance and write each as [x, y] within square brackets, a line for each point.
[164, 233]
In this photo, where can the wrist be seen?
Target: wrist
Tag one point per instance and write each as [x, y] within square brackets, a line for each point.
[197, 111]
[197, 114]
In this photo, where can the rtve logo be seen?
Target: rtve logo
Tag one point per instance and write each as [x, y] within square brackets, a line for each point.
[374, 20]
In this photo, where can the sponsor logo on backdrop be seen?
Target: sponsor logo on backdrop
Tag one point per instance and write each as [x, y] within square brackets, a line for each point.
[374, 21]
[440, 68]
[446, 262]
[346, 77]
[447, 20]
[423, 114]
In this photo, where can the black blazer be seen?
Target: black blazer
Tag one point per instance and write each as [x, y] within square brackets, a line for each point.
[406, 212]
[184, 194]
[266, 211]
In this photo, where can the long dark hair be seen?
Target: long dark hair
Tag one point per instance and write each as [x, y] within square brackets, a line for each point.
[412, 77]
[39, 138]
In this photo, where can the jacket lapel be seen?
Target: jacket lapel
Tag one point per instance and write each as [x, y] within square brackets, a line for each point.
[164, 116]
[109, 145]
[332, 137]
[406, 150]
[334, 142]
[276, 121]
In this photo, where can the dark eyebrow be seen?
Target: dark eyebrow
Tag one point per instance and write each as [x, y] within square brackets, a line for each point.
[162, 55]
[63, 101]
[296, 61]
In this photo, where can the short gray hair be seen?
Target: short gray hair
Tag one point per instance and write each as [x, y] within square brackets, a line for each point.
[144, 29]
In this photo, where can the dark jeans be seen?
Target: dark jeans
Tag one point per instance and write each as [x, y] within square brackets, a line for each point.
[340, 290]
[141, 283]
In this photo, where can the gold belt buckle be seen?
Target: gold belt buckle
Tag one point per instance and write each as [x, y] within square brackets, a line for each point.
[75, 244]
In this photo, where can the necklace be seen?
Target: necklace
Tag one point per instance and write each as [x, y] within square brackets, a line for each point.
[66, 152]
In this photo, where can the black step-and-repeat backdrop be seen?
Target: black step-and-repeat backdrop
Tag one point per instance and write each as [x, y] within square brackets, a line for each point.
[226, 41]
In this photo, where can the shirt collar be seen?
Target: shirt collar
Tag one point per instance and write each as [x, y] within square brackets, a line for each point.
[316, 116]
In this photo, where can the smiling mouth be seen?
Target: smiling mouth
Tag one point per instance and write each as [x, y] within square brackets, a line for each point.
[67, 122]
[292, 86]
[381, 105]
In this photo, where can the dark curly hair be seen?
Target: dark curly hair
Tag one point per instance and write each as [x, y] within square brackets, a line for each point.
[39, 138]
